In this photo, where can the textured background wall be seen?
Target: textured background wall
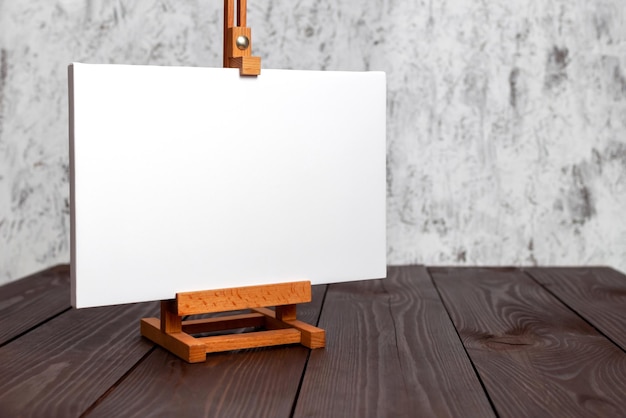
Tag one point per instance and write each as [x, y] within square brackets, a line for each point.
[506, 119]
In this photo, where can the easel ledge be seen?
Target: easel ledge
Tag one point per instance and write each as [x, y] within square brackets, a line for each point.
[281, 326]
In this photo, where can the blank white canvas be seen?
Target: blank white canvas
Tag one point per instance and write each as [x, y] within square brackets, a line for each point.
[186, 179]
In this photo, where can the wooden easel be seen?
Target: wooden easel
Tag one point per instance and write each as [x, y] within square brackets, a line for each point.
[280, 325]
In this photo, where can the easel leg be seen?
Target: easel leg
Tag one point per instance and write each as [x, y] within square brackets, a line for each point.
[312, 337]
[179, 343]
[286, 312]
[170, 321]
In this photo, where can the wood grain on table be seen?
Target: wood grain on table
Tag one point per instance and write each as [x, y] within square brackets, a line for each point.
[535, 356]
[392, 349]
[439, 341]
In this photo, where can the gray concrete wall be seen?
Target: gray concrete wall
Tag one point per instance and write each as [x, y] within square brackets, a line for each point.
[506, 119]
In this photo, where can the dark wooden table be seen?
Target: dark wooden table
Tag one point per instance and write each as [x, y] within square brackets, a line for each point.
[466, 342]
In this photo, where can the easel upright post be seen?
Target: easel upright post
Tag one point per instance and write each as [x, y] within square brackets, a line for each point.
[238, 40]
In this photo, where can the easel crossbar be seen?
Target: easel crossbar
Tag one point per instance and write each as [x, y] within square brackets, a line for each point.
[199, 326]
[250, 340]
[237, 298]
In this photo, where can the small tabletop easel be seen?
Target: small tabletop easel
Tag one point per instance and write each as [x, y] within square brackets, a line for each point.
[280, 325]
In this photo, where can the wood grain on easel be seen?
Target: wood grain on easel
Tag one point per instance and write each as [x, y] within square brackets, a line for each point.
[250, 340]
[175, 335]
[312, 336]
[229, 13]
[221, 300]
[181, 344]
[286, 312]
[223, 323]
[242, 13]
[233, 34]
[246, 65]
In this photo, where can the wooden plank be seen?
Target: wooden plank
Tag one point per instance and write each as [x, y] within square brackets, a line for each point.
[392, 351]
[259, 382]
[60, 368]
[27, 302]
[597, 294]
[534, 355]
[220, 300]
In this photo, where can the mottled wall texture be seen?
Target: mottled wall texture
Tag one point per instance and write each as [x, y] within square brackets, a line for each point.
[506, 118]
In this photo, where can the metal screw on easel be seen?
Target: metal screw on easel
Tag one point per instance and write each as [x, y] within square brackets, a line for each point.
[242, 42]
[238, 40]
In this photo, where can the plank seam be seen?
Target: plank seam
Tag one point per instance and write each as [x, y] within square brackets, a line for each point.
[308, 356]
[395, 334]
[118, 382]
[564, 303]
[480, 380]
[39, 324]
